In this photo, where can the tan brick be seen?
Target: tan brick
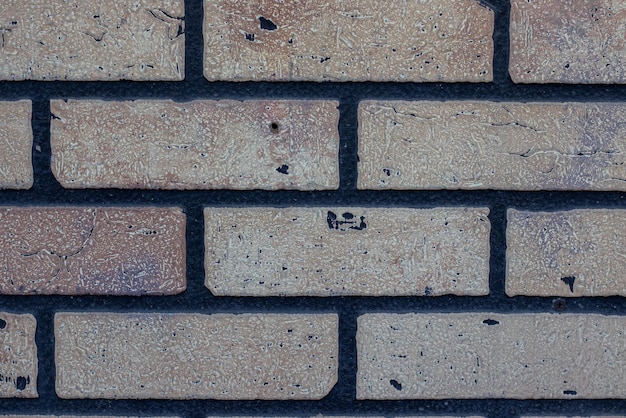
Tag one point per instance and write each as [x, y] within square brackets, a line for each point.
[18, 358]
[104, 251]
[225, 144]
[572, 253]
[571, 416]
[16, 143]
[572, 41]
[348, 40]
[347, 251]
[78, 40]
[489, 145]
[193, 356]
[70, 416]
[490, 355]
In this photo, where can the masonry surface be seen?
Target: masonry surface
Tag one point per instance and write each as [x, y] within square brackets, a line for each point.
[336, 208]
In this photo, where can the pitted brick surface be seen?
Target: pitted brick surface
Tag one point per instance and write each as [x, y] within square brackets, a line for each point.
[193, 356]
[347, 251]
[160, 144]
[348, 40]
[104, 251]
[492, 145]
[79, 40]
[568, 41]
[490, 355]
[573, 253]
[18, 356]
[16, 143]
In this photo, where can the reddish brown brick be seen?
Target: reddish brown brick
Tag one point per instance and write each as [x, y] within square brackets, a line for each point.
[572, 253]
[489, 355]
[492, 145]
[193, 356]
[573, 41]
[79, 40]
[16, 143]
[160, 144]
[347, 251]
[18, 356]
[337, 40]
[106, 251]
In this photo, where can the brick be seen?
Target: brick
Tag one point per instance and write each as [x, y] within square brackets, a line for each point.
[348, 40]
[346, 251]
[77, 40]
[96, 251]
[572, 41]
[16, 143]
[489, 145]
[160, 144]
[570, 253]
[490, 355]
[70, 416]
[571, 416]
[18, 358]
[193, 356]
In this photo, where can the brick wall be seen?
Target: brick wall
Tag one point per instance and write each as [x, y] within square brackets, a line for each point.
[346, 208]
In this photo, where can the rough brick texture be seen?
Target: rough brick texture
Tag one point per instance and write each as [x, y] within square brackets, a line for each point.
[16, 143]
[489, 145]
[106, 251]
[18, 356]
[573, 253]
[570, 41]
[187, 356]
[347, 40]
[347, 251]
[78, 40]
[489, 355]
[196, 145]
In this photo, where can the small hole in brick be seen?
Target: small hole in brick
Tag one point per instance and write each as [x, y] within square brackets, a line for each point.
[274, 127]
[21, 382]
[395, 384]
[3, 324]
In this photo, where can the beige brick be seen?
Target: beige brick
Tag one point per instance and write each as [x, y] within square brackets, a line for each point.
[489, 145]
[572, 253]
[16, 143]
[18, 358]
[571, 416]
[193, 356]
[569, 41]
[70, 416]
[78, 40]
[490, 355]
[104, 251]
[348, 40]
[160, 144]
[347, 251]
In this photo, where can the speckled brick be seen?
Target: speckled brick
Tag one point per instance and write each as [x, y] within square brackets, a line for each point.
[16, 143]
[348, 40]
[568, 41]
[492, 145]
[572, 253]
[160, 144]
[78, 40]
[104, 251]
[489, 355]
[193, 356]
[18, 358]
[347, 251]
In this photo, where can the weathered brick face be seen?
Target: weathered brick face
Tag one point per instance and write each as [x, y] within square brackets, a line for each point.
[76, 40]
[18, 358]
[16, 143]
[340, 40]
